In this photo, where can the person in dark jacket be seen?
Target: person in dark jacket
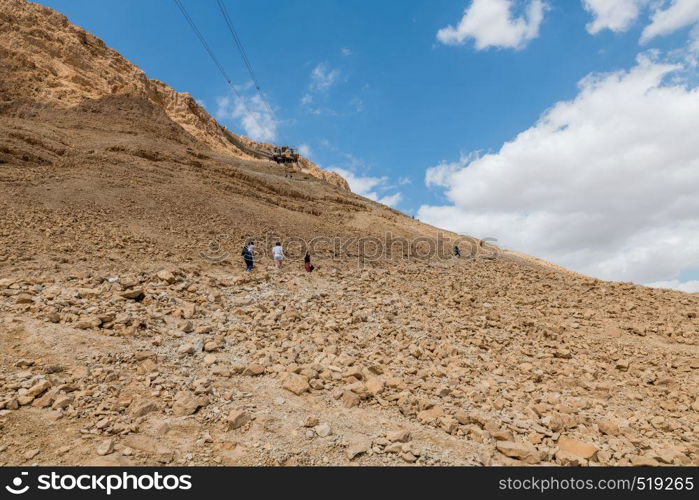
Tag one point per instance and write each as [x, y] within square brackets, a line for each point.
[307, 263]
[457, 251]
[248, 257]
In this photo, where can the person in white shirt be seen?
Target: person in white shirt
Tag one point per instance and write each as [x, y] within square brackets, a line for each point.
[278, 254]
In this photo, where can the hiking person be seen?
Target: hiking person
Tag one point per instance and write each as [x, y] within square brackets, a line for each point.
[307, 263]
[248, 257]
[457, 251]
[278, 254]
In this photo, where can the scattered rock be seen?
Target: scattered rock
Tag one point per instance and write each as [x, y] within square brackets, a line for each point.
[398, 436]
[186, 404]
[323, 430]
[521, 451]
[105, 447]
[577, 448]
[297, 384]
[357, 446]
[237, 419]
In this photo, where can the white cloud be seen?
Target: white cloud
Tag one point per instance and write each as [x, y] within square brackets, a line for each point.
[404, 181]
[305, 150]
[615, 15]
[369, 186]
[358, 104]
[391, 200]
[346, 51]
[604, 184]
[323, 77]
[679, 14]
[694, 40]
[440, 175]
[252, 114]
[491, 24]
[683, 286]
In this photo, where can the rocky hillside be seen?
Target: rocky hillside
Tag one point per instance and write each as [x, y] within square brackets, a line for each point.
[48, 60]
[130, 334]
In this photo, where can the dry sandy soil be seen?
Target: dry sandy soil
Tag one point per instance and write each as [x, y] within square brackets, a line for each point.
[129, 333]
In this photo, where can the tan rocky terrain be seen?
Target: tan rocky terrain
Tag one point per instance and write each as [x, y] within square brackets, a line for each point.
[130, 334]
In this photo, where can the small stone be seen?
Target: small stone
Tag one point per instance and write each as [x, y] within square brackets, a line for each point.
[25, 400]
[323, 430]
[398, 436]
[38, 388]
[144, 408]
[298, 384]
[462, 417]
[88, 323]
[429, 416]
[31, 454]
[24, 299]
[186, 349]
[622, 365]
[311, 421]
[237, 418]
[167, 276]
[524, 452]
[105, 447]
[577, 448]
[254, 370]
[211, 346]
[375, 386]
[145, 443]
[186, 404]
[62, 402]
[503, 435]
[609, 427]
[357, 446]
[45, 400]
[642, 461]
[134, 294]
[54, 415]
[394, 448]
[350, 399]
[188, 310]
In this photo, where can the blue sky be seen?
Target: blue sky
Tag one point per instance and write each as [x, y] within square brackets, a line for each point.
[372, 91]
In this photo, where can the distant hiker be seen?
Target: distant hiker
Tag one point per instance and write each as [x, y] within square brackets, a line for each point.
[307, 263]
[248, 256]
[278, 254]
[457, 251]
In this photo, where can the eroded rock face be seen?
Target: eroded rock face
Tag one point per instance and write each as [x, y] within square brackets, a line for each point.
[50, 61]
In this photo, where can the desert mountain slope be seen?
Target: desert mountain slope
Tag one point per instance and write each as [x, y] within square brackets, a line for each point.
[48, 60]
[129, 333]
